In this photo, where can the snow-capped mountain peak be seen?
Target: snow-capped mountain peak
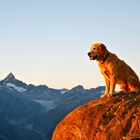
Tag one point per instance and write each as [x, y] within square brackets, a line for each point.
[12, 83]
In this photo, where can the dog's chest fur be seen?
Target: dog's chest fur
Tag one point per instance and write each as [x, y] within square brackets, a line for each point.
[105, 70]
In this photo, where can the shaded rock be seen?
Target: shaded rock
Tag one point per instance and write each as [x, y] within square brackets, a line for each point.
[114, 118]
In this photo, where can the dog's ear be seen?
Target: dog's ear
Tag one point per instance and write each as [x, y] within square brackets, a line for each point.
[102, 48]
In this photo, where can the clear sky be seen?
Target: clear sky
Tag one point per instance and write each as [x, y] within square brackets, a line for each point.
[46, 41]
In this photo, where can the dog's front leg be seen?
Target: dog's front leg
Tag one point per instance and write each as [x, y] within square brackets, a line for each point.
[112, 85]
[107, 87]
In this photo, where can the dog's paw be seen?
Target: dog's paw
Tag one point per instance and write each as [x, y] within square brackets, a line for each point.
[109, 95]
[104, 95]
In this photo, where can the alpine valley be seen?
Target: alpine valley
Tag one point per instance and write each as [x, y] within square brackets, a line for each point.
[29, 112]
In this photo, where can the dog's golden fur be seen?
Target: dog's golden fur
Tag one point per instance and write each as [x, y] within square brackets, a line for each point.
[114, 70]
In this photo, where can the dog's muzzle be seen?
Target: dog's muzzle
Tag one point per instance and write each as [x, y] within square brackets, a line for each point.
[92, 56]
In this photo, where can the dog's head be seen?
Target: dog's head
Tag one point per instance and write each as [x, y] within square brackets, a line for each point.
[97, 51]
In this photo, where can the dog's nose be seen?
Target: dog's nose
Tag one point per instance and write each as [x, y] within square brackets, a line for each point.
[88, 53]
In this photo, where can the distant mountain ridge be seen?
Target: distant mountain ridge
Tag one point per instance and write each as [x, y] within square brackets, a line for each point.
[34, 111]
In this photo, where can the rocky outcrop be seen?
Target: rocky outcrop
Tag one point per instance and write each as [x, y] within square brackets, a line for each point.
[108, 118]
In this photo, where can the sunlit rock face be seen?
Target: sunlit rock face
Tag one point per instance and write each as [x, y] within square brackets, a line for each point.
[113, 118]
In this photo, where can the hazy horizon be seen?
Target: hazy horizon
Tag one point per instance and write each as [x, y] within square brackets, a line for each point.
[46, 42]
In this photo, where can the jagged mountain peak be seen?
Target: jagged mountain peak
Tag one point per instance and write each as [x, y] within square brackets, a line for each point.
[10, 76]
[11, 82]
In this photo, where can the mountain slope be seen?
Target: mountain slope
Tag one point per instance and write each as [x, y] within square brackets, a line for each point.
[17, 107]
[7, 132]
[116, 118]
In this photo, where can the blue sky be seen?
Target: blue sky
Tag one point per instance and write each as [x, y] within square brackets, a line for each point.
[46, 41]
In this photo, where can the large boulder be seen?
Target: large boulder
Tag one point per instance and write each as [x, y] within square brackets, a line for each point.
[108, 118]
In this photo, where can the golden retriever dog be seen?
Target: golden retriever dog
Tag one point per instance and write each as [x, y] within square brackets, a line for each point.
[114, 70]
